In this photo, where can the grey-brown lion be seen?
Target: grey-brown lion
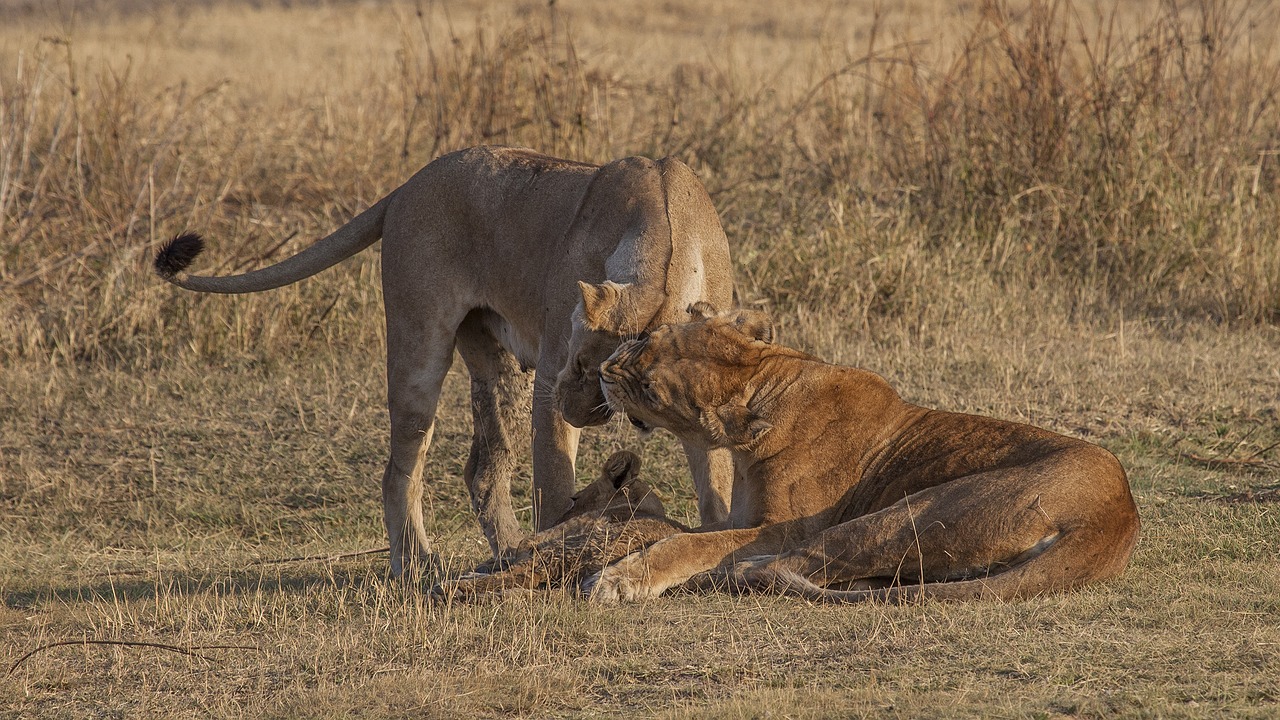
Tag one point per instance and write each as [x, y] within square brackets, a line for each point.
[518, 260]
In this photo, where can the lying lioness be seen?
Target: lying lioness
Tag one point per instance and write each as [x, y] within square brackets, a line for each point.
[519, 261]
[848, 493]
[611, 518]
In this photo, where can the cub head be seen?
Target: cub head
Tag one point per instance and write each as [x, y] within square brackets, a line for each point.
[617, 492]
[694, 379]
[607, 314]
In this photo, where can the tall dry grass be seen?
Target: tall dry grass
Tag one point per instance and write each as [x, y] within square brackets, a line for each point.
[937, 204]
[1128, 171]
[1058, 155]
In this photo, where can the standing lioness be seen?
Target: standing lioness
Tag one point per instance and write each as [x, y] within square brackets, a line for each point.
[518, 260]
[847, 492]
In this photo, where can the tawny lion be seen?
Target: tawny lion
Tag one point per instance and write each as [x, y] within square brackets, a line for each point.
[848, 493]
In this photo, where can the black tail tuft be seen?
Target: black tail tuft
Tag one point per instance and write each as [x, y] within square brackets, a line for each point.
[177, 254]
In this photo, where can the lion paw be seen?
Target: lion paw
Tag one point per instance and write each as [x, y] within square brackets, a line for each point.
[624, 581]
[413, 562]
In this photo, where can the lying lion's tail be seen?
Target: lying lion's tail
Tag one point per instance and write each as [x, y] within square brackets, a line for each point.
[1075, 559]
[364, 230]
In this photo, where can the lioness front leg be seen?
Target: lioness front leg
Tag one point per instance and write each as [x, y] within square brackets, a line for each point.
[672, 561]
[555, 445]
[712, 472]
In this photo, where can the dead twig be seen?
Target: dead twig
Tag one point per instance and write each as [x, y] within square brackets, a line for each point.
[316, 325]
[1259, 454]
[115, 573]
[1253, 462]
[277, 561]
[191, 650]
[321, 558]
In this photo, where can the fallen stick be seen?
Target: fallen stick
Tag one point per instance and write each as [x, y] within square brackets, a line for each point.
[190, 650]
[321, 558]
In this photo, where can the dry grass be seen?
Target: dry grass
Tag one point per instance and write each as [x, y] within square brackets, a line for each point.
[1053, 212]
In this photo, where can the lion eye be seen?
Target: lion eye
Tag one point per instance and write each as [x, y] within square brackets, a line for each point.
[647, 388]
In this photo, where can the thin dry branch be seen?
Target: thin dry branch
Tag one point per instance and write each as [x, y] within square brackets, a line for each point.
[321, 558]
[191, 650]
[1252, 462]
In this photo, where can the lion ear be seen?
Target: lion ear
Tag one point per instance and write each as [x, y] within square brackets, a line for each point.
[754, 324]
[742, 428]
[601, 304]
[621, 468]
[702, 310]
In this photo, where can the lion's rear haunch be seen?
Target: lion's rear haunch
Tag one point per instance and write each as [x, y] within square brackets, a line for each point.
[177, 254]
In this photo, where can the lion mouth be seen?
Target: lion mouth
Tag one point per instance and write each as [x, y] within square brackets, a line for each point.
[592, 418]
[580, 417]
[639, 424]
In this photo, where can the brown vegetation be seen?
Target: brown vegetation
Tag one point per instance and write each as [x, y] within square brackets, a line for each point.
[1056, 212]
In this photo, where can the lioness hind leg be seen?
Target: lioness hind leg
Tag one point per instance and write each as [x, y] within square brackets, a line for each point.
[499, 404]
[416, 367]
[934, 536]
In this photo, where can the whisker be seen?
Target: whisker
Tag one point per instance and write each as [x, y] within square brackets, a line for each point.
[614, 405]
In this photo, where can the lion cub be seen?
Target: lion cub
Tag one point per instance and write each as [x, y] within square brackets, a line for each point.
[614, 516]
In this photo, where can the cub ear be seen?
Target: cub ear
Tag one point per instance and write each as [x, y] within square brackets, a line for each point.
[702, 310]
[754, 324]
[742, 428]
[621, 468]
[601, 304]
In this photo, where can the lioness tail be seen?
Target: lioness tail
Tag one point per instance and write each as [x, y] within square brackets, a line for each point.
[365, 229]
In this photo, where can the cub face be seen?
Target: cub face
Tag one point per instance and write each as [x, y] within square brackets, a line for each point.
[617, 490]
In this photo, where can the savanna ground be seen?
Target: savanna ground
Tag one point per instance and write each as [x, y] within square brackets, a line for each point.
[1061, 213]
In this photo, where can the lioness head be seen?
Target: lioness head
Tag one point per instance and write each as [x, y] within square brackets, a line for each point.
[607, 314]
[617, 488]
[694, 379]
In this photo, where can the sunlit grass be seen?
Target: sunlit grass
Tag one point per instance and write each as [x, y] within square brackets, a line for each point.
[1051, 212]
